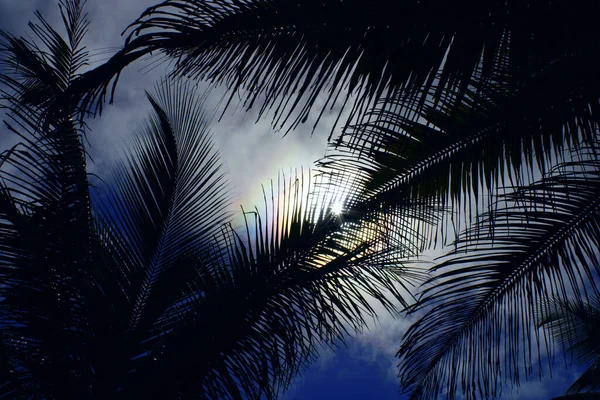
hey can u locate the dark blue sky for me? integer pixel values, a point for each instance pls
(353, 373)
(346, 376)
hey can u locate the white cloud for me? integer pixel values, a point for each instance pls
(252, 152)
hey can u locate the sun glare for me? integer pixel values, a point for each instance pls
(337, 207)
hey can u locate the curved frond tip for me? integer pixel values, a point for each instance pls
(478, 330)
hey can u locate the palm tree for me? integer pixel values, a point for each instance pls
(485, 107)
(138, 288)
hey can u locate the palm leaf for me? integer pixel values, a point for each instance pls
(540, 241)
(46, 220)
(261, 310)
(460, 153)
(167, 200)
(36, 72)
(575, 324)
(285, 53)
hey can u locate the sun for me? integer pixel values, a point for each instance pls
(337, 207)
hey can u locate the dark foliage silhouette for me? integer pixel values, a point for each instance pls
(481, 116)
(574, 323)
(142, 289)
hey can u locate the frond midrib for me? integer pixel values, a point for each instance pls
(513, 279)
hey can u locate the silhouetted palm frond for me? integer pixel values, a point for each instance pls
(36, 72)
(285, 53)
(575, 324)
(45, 213)
(165, 202)
(449, 152)
(541, 240)
(256, 307)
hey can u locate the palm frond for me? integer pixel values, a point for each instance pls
(454, 152)
(286, 53)
(295, 281)
(575, 325)
(36, 72)
(46, 220)
(169, 198)
(478, 332)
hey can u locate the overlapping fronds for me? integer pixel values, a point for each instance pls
(150, 297)
(285, 53)
(575, 324)
(149, 291)
(459, 152)
(223, 314)
(36, 72)
(294, 281)
(479, 332)
(45, 215)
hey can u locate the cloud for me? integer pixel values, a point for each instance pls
(549, 386)
(253, 153)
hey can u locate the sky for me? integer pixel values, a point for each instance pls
(253, 154)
